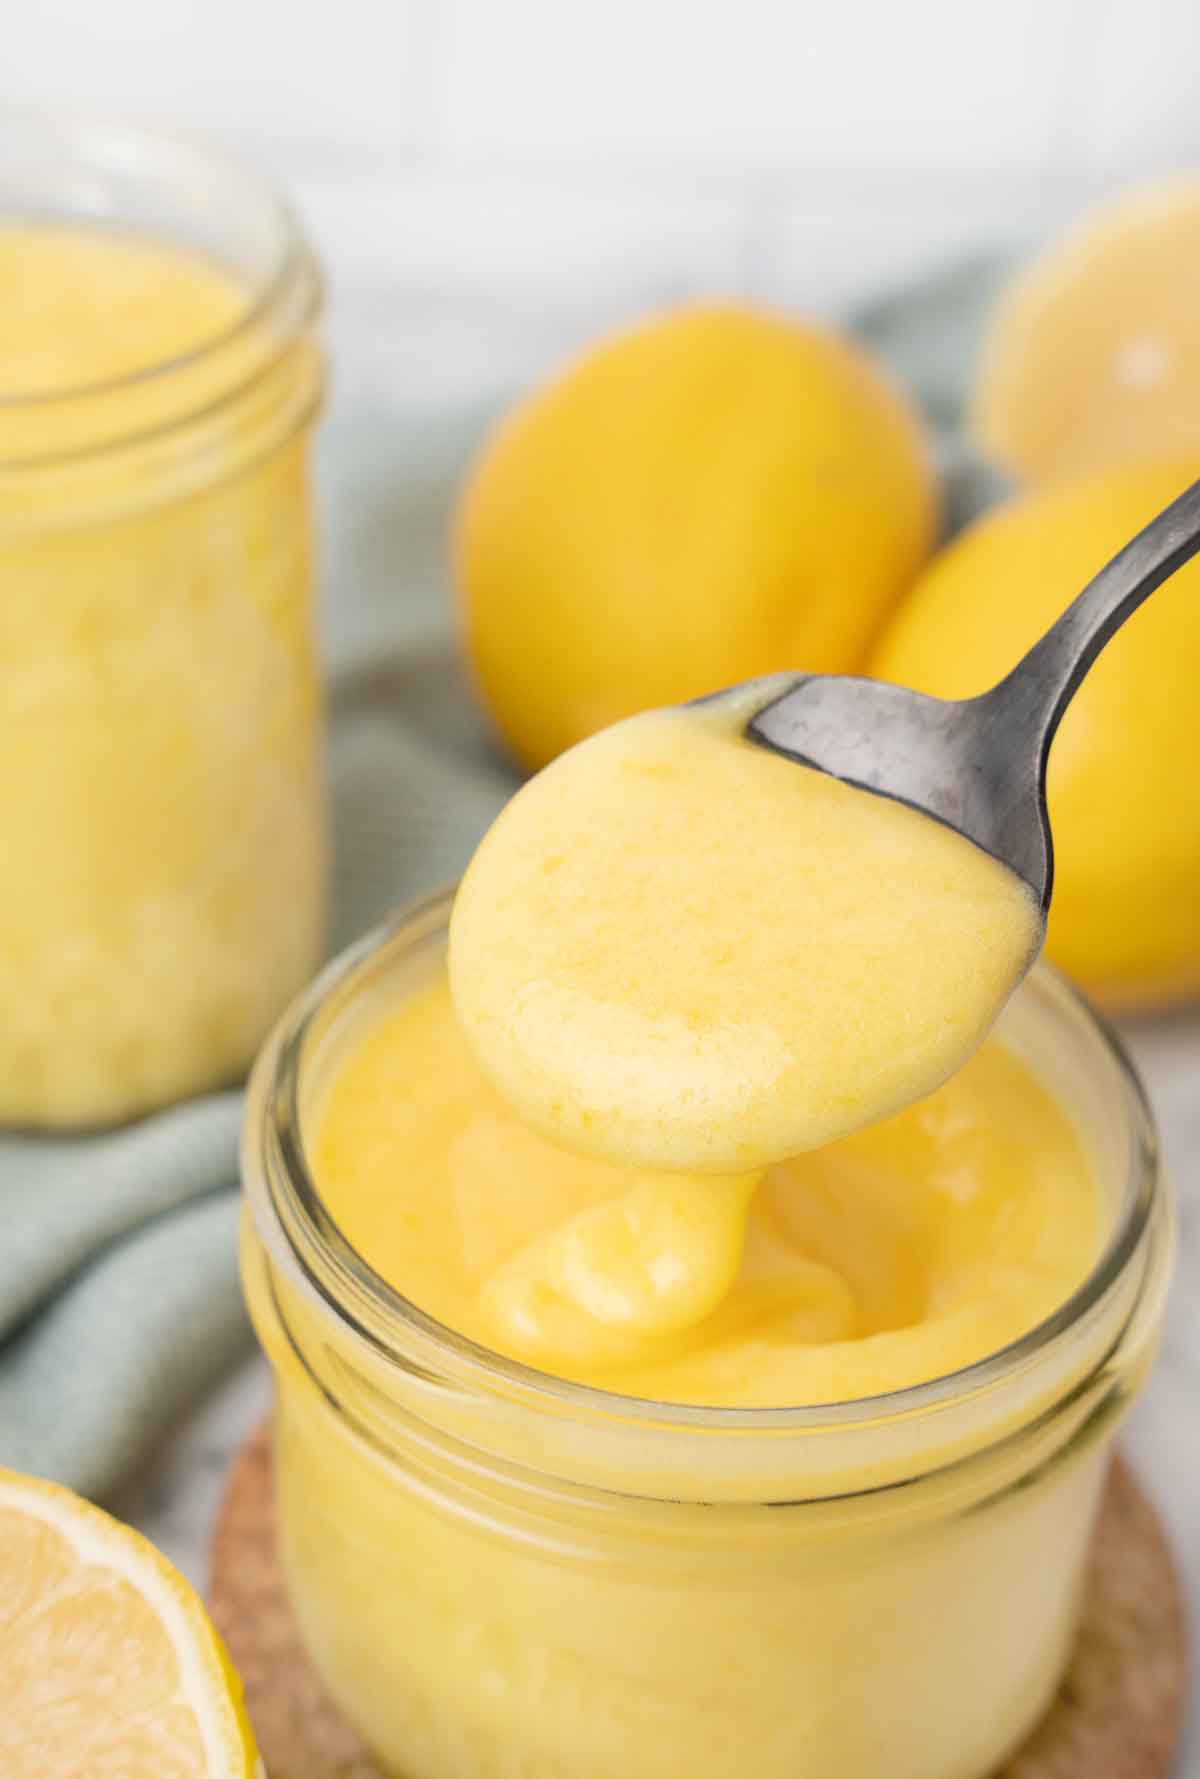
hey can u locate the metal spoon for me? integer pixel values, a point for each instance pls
(979, 764)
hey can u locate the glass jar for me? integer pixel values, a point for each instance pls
(498, 1572)
(164, 884)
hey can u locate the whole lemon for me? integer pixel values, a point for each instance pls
(1124, 773)
(715, 494)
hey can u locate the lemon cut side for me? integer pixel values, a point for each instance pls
(109, 1665)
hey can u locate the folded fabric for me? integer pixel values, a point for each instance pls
(119, 1300)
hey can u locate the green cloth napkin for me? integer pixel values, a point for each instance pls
(119, 1299)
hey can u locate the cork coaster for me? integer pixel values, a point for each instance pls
(1117, 1716)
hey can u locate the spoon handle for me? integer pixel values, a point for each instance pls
(1042, 684)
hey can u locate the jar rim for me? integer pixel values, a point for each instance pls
(297, 1227)
(287, 294)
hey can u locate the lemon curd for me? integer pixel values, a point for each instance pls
(82, 307)
(678, 949)
(900, 1253)
(545, 1503)
(160, 713)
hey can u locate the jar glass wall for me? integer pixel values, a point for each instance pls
(501, 1572)
(160, 708)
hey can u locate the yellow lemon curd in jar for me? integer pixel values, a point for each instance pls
(476, 1608)
(163, 884)
(899, 1253)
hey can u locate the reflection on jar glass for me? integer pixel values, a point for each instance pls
(163, 892)
(500, 1572)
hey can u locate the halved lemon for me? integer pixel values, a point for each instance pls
(1093, 354)
(109, 1666)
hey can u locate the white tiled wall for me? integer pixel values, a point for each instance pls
(762, 87)
(489, 179)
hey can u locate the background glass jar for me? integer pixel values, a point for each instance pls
(498, 1572)
(163, 890)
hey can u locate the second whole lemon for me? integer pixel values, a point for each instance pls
(714, 494)
(1123, 785)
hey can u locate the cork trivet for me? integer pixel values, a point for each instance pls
(1117, 1716)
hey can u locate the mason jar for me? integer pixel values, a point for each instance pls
(498, 1572)
(164, 880)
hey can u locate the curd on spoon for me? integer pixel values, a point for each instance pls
(675, 949)
(161, 715)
